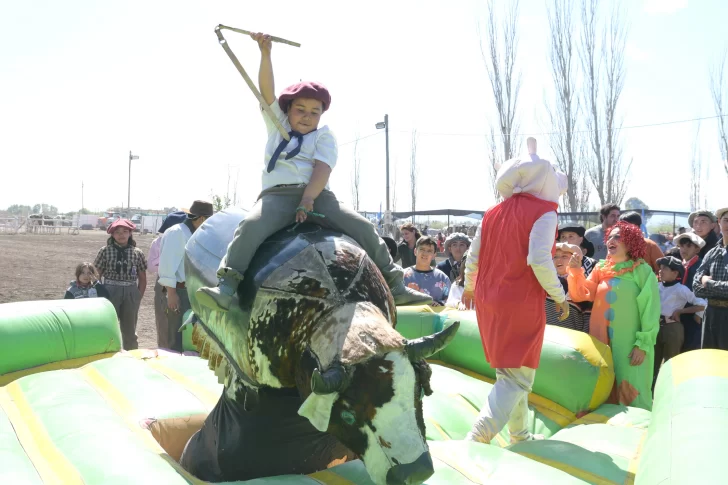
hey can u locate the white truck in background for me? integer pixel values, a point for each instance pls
(150, 224)
(85, 221)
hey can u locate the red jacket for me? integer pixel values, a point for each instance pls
(509, 299)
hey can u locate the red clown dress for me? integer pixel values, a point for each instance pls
(510, 309)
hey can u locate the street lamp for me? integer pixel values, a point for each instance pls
(385, 124)
(128, 194)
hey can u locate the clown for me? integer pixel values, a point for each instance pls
(626, 312)
(514, 249)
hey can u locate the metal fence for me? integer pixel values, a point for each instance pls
(656, 221)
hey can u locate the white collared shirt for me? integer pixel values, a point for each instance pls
(172, 255)
(675, 297)
(318, 145)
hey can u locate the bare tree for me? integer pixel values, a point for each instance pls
(499, 56)
(564, 113)
(413, 172)
(495, 161)
(602, 61)
(696, 173)
(356, 175)
(718, 82)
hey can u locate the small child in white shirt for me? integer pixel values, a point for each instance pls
(295, 183)
(674, 298)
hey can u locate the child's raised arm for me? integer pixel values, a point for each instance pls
(266, 83)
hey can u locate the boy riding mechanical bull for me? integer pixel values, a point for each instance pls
(295, 183)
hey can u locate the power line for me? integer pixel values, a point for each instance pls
(675, 122)
(576, 131)
(361, 138)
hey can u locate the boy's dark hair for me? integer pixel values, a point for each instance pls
(632, 218)
(606, 209)
(426, 241)
(91, 267)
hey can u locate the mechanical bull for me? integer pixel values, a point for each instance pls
(314, 372)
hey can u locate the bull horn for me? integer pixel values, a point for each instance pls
(334, 379)
(424, 347)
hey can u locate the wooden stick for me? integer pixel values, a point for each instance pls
(247, 32)
(251, 85)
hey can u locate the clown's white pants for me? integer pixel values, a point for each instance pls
(507, 404)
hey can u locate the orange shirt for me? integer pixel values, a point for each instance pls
(653, 254)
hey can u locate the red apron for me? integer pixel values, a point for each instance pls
(509, 298)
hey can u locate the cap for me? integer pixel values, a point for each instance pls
(703, 213)
(689, 236)
(201, 208)
(306, 89)
(672, 263)
(572, 227)
(121, 223)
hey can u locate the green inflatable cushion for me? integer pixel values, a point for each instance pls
(34, 333)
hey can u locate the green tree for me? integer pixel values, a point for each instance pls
(18, 210)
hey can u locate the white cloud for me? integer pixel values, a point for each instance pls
(656, 7)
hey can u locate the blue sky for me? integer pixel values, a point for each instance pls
(84, 82)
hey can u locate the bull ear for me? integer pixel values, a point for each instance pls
(424, 347)
(317, 409)
(334, 380)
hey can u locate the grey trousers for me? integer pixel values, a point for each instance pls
(126, 300)
(160, 315)
(174, 320)
(276, 209)
(507, 404)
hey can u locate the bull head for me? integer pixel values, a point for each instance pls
(337, 378)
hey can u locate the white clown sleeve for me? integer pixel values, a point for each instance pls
(540, 243)
(471, 265)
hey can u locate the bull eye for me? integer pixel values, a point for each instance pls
(348, 417)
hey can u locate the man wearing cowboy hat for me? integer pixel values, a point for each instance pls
(711, 283)
(172, 269)
(574, 234)
(703, 223)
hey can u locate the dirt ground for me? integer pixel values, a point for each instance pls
(40, 267)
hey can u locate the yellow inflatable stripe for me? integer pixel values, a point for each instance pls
(591, 418)
(327, 477)
(709, 363)
(556, 413)
(6, 379)
(122, 406)
(203, 394)
(635, 461)
(456, 463)
(571, 470)
(439, 428)
(51, 465)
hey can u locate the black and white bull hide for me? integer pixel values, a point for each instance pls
(314, 371)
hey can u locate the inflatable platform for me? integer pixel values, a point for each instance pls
(74, 409)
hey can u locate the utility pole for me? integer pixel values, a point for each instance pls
(81, 195)
(385, 124)
(128, 194)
